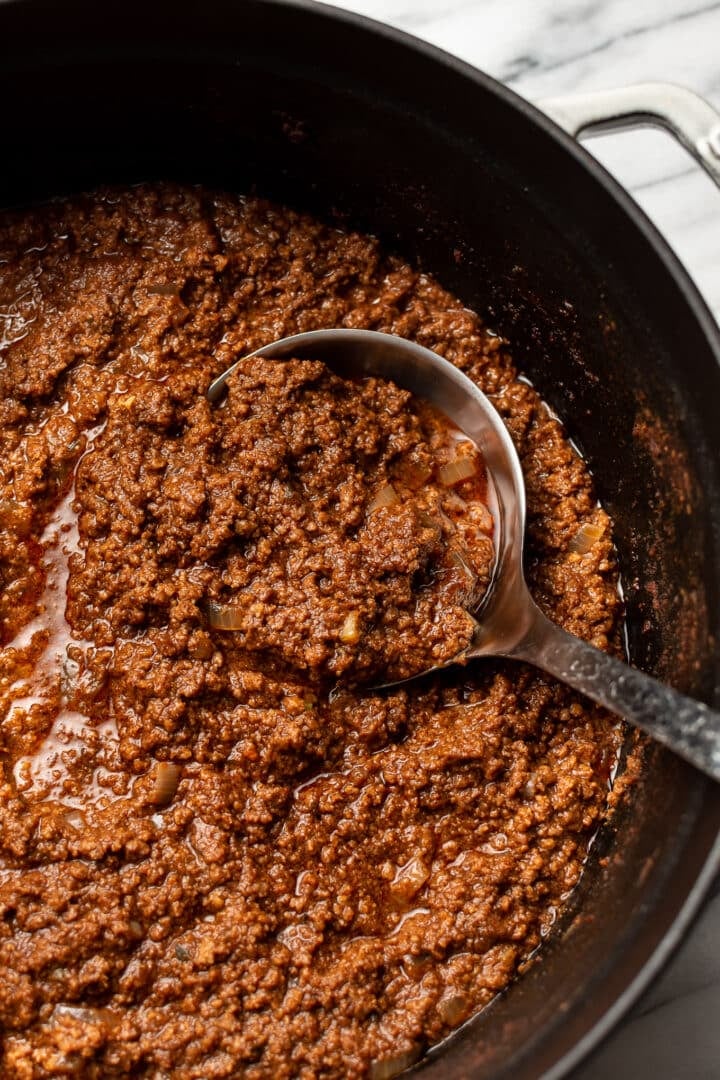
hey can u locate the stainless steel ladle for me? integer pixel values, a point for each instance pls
(509, 622)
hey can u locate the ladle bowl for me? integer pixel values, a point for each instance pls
(509, 623)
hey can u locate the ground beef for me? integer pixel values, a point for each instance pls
(218, 856)
(354, 552)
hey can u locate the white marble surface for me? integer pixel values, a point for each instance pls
(542, 48)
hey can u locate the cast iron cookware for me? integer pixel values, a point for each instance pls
(352, 120)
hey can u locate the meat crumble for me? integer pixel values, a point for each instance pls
(221, 853)
(360, 527)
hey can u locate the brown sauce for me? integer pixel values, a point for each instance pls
(220, 855)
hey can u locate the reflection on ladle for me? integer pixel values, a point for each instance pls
(509, 622)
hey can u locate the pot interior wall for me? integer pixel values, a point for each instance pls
(304, 107)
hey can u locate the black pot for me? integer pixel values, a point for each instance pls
(346, 118)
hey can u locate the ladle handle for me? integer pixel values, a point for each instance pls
(686, 726)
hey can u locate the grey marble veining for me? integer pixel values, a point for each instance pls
(548, 47)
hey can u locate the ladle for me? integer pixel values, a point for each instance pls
(509, 622)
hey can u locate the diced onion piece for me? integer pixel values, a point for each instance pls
(453, 1009)
(386, 496)
(88, 1014)
(75, 818)
(163, 290)
(409, 880)
(224, 616)
(584, 538)
(350, 629)
(386, 1068)
(167, 777)
(454, 471)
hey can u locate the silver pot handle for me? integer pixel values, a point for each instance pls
(692, 120)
